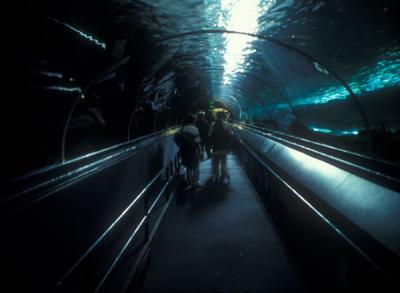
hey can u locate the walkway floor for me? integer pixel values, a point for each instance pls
(220, 239)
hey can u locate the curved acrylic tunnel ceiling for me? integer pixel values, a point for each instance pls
(140, 61)
(273, 79)
(263, 77)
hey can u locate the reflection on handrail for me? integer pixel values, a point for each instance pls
(320, 154)
(151, 235)
(262, 129)
(121, 145)
(146, 217)
(44, 188)
(158, 197)
(314, 209)
(107, 231)
(120, 254)
(52, 167)
(68, 174)
(162, 133)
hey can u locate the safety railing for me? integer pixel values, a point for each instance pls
(383, 172)
(35, 186)
(167, 174)
(79, 226)
(313, 224)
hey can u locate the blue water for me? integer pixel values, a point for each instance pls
(358, 40)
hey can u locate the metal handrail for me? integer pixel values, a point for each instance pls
(364, 170)
(116, 260)
(260, 128)
(135, 140)
(148, 236)
(92, 154)
(314, 209)
(86, 170)
(142, 193)
(149, 240)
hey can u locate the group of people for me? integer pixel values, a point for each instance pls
(200, 137)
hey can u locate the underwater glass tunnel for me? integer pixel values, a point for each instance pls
(87, 85)
(84, 76)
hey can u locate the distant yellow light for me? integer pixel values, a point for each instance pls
(217, 110)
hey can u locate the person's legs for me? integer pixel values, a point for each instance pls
(201, 155)
(189, 176)
(215, 165)
(224, 170)
(208, 149)
(196, 177)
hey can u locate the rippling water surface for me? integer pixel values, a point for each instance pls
(358, 39)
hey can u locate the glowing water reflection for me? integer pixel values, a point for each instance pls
(62, 89)
(239, 15)
(49, 74)
(384, 73)
(322, 130)
(86, 36)
(335, 132)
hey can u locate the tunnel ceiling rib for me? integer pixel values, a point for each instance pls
(273, 58)
(206, 33)
(318, 64)
(359, 41)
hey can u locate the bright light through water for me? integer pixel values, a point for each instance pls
(241, 16)
(237, 15)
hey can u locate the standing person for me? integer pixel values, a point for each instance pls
(220, 139)
(188, 141)
(203, 126)
(210, 117)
